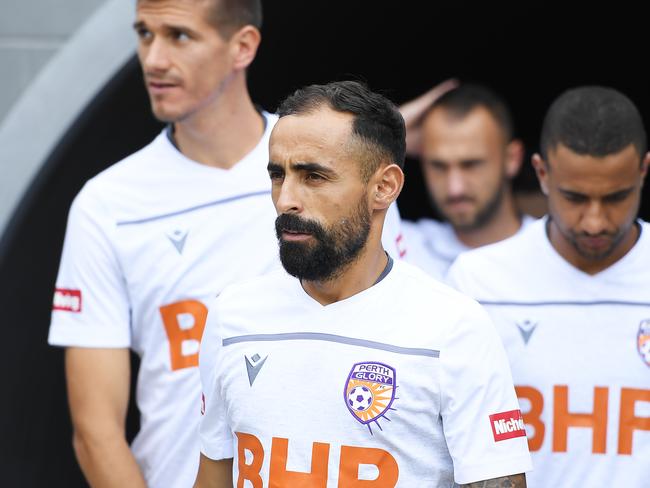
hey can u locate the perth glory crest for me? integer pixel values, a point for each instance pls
(370, 392)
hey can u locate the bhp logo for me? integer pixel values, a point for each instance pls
(507, 425)
(348, 474)
(67, 300)
(560, 419)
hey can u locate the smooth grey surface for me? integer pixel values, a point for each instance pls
(59, 92)
(21, 66)
(31, 32)
(43, 18)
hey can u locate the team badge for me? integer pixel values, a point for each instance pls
(643, 341)
(370, 392)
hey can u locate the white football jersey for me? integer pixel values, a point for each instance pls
(433, 245)
(405, 383)
(149, 243)
(579, 349)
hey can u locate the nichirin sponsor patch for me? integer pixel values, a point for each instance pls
(67, 300)
(370, 391)
(507, 425)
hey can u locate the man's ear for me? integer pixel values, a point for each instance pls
(386, 185)
(644, 166)
(541, 170)
(514, 157)
(243, 45)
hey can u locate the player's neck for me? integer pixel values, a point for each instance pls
(505, 222)
(590, 266)
(221, 134)
(360, 275)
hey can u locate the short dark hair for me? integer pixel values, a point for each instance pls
(377, 122)
(468, 96)
(229, 16)
(593, 120)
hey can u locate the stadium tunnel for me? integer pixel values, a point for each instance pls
(88, 109)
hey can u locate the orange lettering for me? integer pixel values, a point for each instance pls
(562, 419)
(279, 477)
(250, 472)
(532, 417)
(179, 332)
(628, 422)
(352, 457)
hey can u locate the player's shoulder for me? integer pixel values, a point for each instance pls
(423, 300)
(131, 171)
(425, 291)
(509, 252)
(423, 227)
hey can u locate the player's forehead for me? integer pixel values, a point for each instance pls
(323, 134)
(594, 176)
(447, 135)
(174, 13)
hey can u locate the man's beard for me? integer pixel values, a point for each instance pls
(615, 238)
(483, 215)
(329, 251)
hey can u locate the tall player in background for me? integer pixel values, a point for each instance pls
(570, 297)
(350, 369)
(153, 238)
(463, 135)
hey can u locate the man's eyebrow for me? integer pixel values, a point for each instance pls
(274, 167)
(315, 167)
(617, 193)
(571, 192)
(139, 24)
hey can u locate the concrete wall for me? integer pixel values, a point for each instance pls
(31, 32)
(46, 107)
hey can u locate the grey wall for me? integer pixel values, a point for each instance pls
(31, 31)
(58, 92)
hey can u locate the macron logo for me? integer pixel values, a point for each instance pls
(67, 300)
(507, 425)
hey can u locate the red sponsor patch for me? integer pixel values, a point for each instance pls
(507, 425)
(400, 245)
(67, 300)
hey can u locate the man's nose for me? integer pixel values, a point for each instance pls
(594, 219)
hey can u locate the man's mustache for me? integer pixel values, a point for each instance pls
(293, 223)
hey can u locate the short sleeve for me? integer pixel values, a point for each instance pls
(215, 435)
(482, 423)
(91, 305)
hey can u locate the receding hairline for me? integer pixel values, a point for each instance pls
(454, 116)
(365, 153)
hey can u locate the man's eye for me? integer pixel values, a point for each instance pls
(437, 166)
(314, 176)
(616, 197)
(574, 198)
(180, 36)
(143, 33)
(275, 175)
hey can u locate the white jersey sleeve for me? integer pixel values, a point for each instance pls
(481, 420)
(91, 305)
(215, 435)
